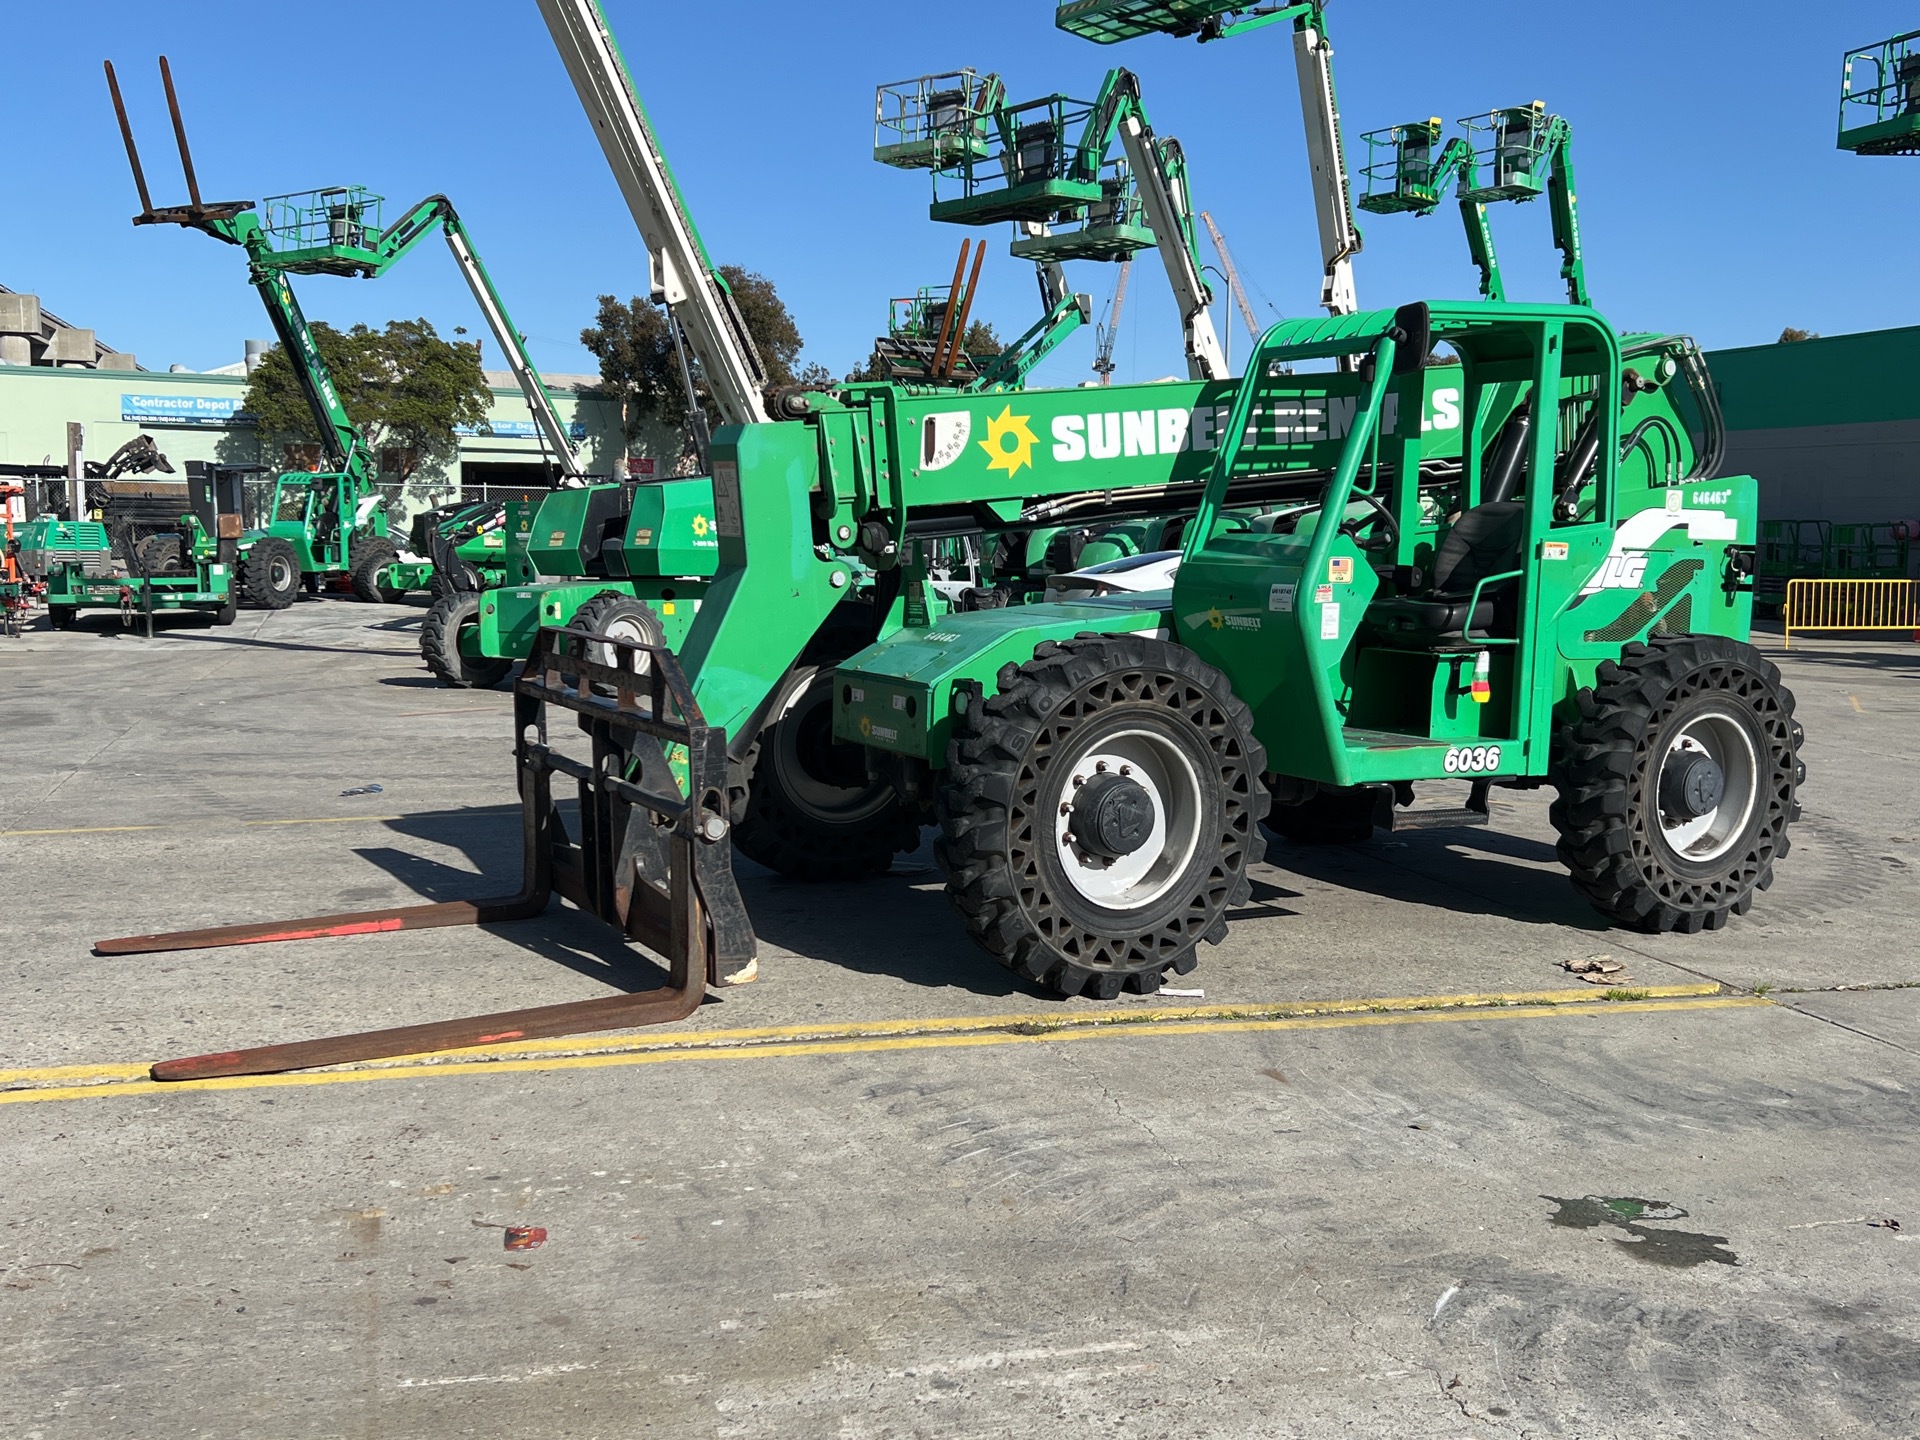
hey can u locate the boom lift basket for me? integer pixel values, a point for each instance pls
(936, 121)
(326, 232)
(1107, 22)
(1880, 98)
(1112, 228)
(653, 858)
(1511, 149)
(1401, 174)
(1033, 168)
(921, 316)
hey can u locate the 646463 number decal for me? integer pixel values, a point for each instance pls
(1473, 760)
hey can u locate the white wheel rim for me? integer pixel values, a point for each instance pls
(1172, 786)
(630, 629)
(1705, 838)
(280, 572)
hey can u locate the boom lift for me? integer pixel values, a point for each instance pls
(335, 523)
(937, 123)
(1411, 179)
(1520, 151)
(1045, 165)
(1110, 21)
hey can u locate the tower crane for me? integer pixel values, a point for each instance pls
(1109, 330)
(1234, 287)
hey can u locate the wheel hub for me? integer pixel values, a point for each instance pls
(1692, 785)
(1112, 815)
(1707, 788)
(1127, 819)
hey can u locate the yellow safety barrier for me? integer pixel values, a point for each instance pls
(1852, 605)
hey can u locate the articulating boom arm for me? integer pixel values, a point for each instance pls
(345, 446)
(1522, 152)
(1412, 180)
(1473, 217)
(437, 212)
(1525, 151)
(1160, 170)
(1562, 196)
(1066, 313)
(697, 295)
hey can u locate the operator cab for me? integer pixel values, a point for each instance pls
(1469, 458)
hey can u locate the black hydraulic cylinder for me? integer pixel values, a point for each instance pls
(1509, 457)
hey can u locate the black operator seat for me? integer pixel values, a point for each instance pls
(1485, 541)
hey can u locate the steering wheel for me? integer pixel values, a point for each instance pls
(1384, 516)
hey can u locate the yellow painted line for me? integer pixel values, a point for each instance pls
(880, 1045)
(1058, 1020)
(959, 1024)
(85, 830)
(1858, 708)
(950, 1025)
(331, 820)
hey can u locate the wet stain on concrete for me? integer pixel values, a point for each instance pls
(1677, 1249)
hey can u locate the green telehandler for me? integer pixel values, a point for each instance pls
(1558, 602)
(1490, 551)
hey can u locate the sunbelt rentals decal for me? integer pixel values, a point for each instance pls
(1011, 440)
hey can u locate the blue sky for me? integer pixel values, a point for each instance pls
(1712, 195)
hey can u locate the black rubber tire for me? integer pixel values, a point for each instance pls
(623, 616)
(63, 617)
(1332, 817)
(440, 646)
(440, 586)
(809, 809)
(373, 558)
(158, 555)
(1608, 813)
(1008, 766)
(269, 574)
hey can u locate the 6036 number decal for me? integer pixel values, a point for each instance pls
(1474, 760)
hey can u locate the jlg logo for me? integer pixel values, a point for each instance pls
(1620, 572)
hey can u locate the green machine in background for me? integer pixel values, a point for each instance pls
(1517, 154)
(193, 568)
(630, 561)
(333, 524)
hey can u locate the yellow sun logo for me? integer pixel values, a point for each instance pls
(866, 725)
(701, 526)
(1009, 443)
(1216, 619)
